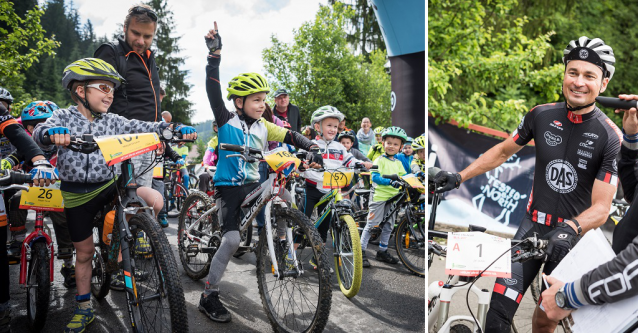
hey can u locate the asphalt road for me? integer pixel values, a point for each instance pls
(390, 300)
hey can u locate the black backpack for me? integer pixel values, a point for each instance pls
(120, 64)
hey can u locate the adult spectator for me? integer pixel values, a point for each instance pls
(365, 135)
(286, 111)
(133, 59)
(167, 116)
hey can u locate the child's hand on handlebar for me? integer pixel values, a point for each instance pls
(59, 136)
(368, 165)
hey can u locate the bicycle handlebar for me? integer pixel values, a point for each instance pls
(12, 177)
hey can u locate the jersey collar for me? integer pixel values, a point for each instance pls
(579, 118)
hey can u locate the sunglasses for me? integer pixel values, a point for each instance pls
(103, 87)
(144, 10)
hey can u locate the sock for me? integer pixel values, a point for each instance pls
(84, 301)
(383, 247)
(209, 290)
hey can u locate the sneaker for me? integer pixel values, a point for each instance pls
(14, 250)
(213, 308)
(142, 247)
(163, 221)
(69, 275)
(385, 256)
(117, 281)
(364, 257)
(81, 319)
(5, 320)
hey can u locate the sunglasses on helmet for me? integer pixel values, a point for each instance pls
(144, 10)
(103, 87)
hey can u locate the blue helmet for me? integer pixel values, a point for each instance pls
(37, 112)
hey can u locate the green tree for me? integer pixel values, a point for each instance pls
(482, 68)
(319, 68)
(362, 29)
(172, 78)
(23, 42)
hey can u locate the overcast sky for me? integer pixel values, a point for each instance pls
(245, 27)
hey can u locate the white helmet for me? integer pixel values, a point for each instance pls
(591, 50)
(324, 112)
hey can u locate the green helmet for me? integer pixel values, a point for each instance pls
(324, 112)
(396, 132)
(88, 69)
(418, 143)
(379, 130)
(246, 84)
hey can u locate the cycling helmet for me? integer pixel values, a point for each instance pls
(409, 140)
(37, 112)
(591, 50)
(5, 95)
(396, 132)
(246, 84)
(418, 143)
(324, 112)
(88, 69)
(379, 130)
(346, 134)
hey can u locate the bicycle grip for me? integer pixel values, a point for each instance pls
(237, 148)
(617, 103)
(432, 171)
(20, 178)
(46, 139)
(391, 177)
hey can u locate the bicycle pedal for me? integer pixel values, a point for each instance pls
(209, 249)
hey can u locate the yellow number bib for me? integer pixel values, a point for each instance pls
(337, 179)
(118, 148)
(280, 160)
(42, 198)
(158, 171)
(414, 182)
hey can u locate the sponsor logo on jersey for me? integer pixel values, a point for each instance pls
(520, 126)
(553, 139)
(556, 124)
(583, 153)
(591, 135)
(615, 165)
(587, 144)
(510, 282)
(561, 176)
(582, 163)
(616, 284)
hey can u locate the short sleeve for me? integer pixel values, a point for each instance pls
(524, 133)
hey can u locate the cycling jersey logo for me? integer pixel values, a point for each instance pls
(561, 176)
(583, 54)
(615, 284)
(591, 135)
(556, 124)
(510, 282)
(553, 139)
(615, 165)
(587, 144)
(520, 126)
(582, 163)
(583, 153)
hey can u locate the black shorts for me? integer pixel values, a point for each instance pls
(229, 199)
(80, 219)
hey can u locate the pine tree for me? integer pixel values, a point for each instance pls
(363, 30)
(172, 78)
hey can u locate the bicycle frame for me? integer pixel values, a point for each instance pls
(35, 236)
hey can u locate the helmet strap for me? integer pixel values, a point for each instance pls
(85, 102)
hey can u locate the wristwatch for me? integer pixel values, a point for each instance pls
(561, 299)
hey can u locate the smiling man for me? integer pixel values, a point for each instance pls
(575, 177)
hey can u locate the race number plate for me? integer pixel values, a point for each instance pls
(118, 148)
(280, 160)
(414, 182)
(158, 171)
(42, 198)
(337, 179)
(469, 253)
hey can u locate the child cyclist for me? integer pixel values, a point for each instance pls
(377, 149)
(33, 114)
(234, 178)
(393, 139)
(326, 121)
(417, 166)
(88, 184)
(43, 173)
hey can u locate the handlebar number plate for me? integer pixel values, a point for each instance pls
(42, 198)
(469, 253)
(337, 179)
(158, 171)
(118, 148)
(281, 160)
(414, 182)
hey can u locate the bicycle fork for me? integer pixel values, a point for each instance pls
(34, 236)
(439, 315)
(271, 246)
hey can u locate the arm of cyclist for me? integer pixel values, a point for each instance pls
(209, 156)
(171, 154)
(359, 155)
(213, 87)
(628, 166)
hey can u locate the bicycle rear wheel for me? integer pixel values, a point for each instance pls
(409, 242)
(39, 286)
(294, 303)
(100, 279)
(207, 234)
(161, 297)
(348, 260)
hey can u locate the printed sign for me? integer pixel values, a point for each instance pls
(118, 148)
(42, 198)
(469, 253)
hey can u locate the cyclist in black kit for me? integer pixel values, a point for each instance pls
(575, 177)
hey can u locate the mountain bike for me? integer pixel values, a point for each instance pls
(155, 298)
(345, 235)
(174, 190)
(294, 298)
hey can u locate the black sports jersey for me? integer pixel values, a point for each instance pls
(571, 152)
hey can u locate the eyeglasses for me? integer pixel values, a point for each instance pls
(103, 87)
(144, 10)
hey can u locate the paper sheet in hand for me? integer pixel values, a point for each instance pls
(592, 251)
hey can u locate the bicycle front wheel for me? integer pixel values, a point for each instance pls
(410, 244)
(179, 194)
(160, 295)
(348, 261)
(299, 298)
(38, 286)
(191, 242)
